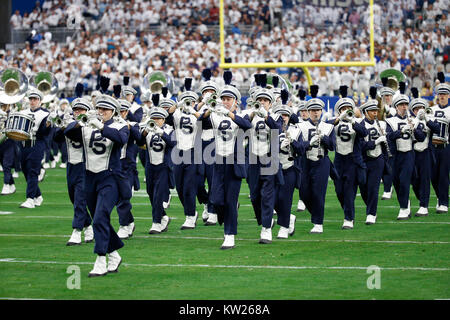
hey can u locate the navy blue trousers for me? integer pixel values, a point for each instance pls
(63, 148)
(422, 177)
(207, 174)
(76, 176)
(347, 184)
(440, 172)
(224, 193)
(157, 182)
(285, 193)
(30, 162)
(369, 191)
(263, 194)
(186, 183)
(125, 183)
(388, 178)
(7, 153)
(102, 195)
(315, 181)
(402, 171)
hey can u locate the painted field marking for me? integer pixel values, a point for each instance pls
(18, 260)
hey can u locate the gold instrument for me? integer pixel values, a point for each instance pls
(394, 77)
(13, 86)
(45, 82)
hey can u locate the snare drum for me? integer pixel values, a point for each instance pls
(18, 126)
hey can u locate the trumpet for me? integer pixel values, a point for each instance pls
(151, 125)
(85, 117)
(429, 111)
(256, 105)
(288, 137)
(350, 113)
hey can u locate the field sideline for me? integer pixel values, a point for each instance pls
(413, 255)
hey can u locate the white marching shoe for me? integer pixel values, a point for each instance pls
(41, 175)
(422, 212)
(190, 222)
(53, 164)
(114, 261)
(212, 220)
(100, 268)
(404, 213)
(371, 219)
(441, 209)
(386, 195)
(15, 175)
(347, 224)
(63, 165)
(205, 213)
(283, 233)
(75, 238)
(318, 228)
(155, 229)
(46, 166)
(292, 220)
(38, 201)
(166, 205)
(301, 206)
(8, 189)
(165, 220)
(88, 234)
(123, 232)
(266, 235)
(130, 229)
(29, 203)
(228, 242)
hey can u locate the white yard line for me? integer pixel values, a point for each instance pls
(18, 260)
(240, 239)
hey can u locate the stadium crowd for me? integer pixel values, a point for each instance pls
(132, 38)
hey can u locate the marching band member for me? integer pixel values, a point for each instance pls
(263, 173)
(136, 111)
(32, 151)
(303, 115)
(63, 109)
(373, 146)
(387, 94)
(440, 145)
(159, 140)
(76, 174)
(402, 132)
(129, 173)
(208, 89)
(187, 167)
(7, 154)
(422, 152)
(318, 138)
(102, 142)
(348, 159)
(229, 165)
(290, 148)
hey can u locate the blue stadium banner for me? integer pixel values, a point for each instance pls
(335, 3)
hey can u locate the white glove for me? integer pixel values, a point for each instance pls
(314, 141)
(416, 122)
(158, 130)
(285, 145)
(95, 123)
(381, 139)
(262, 112)
(53, 115)
(406, 129)
(343, 116)
(421, 114)
(190, 110)
(206, 97)
(223, 111)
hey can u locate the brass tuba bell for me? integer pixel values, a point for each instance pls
(45, 82)
(156, 80)
(393, 76)
(13, 85)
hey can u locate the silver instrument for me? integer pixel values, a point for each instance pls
(13, 86)
(45, 82)
(386, 144)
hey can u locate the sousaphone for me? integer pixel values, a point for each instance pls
(45, 82)
(13, 86)
(156, 80)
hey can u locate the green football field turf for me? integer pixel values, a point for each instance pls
(412, 256)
